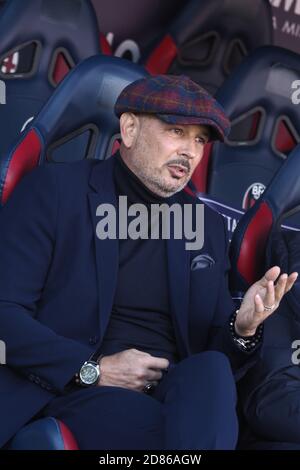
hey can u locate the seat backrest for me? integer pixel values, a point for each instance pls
(40, 41)
(44, 434)
(77, 122)
(208, 38)
(265, 126)
(249, 242)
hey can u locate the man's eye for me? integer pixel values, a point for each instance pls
(177, 131)
(201, 140)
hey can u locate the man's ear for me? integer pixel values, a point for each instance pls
(129, 126)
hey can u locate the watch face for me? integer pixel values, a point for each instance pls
(89, 374)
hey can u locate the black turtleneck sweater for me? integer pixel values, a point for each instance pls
(140, 316)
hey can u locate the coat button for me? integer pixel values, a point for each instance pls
(93, 339)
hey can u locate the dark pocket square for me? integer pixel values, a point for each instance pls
(202, 261)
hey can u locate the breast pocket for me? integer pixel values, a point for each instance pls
(202, 261)
(205, 276)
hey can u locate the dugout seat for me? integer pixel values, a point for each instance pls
(77, 122)
(265, 126)
(40, 41)
(250, 254)
(208, 38)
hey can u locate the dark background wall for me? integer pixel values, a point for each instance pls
(140, 22)
(286, 23)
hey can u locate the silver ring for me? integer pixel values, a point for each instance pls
(148, 388)
(267, 308)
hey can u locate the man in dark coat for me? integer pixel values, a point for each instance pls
(128, 337)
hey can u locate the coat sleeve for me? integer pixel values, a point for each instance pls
(220, 337)
(28, 226)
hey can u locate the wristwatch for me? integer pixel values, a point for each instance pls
(89, 374)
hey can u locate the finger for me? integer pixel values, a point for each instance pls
(153, 375)
(260, 314)
(269, 298)
(259, 305)
(157, 363)
(271, 275)
(291, 281)
(280, 287)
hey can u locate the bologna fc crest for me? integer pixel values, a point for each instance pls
(252, 194)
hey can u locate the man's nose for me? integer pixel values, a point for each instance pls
(189, 149)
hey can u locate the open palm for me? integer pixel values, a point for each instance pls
(262, 299)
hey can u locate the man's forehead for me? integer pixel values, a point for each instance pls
(152, 118)
(197, 128)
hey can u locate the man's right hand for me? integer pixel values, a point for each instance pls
(131, 369)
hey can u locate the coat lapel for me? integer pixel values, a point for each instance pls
(179, 282)
(107, 256)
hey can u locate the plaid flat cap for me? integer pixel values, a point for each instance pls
(175, 100)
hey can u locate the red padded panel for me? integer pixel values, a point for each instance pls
(61, 68)
(162, 56)
(25, 158)
(254, 244)
(115, 147)
(189, 191)
(104, 45)
(67, 436)
(284, 141)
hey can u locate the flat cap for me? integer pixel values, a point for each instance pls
(175, 99)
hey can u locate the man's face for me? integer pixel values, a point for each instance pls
(163, 156)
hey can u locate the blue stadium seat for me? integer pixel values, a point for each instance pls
(40, 41)
(208, 38)
(265, 126)
(77, 122)
(250, 252)
(44, 434)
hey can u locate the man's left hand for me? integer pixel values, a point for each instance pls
(262, 299)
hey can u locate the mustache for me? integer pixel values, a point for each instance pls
(180, 161)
